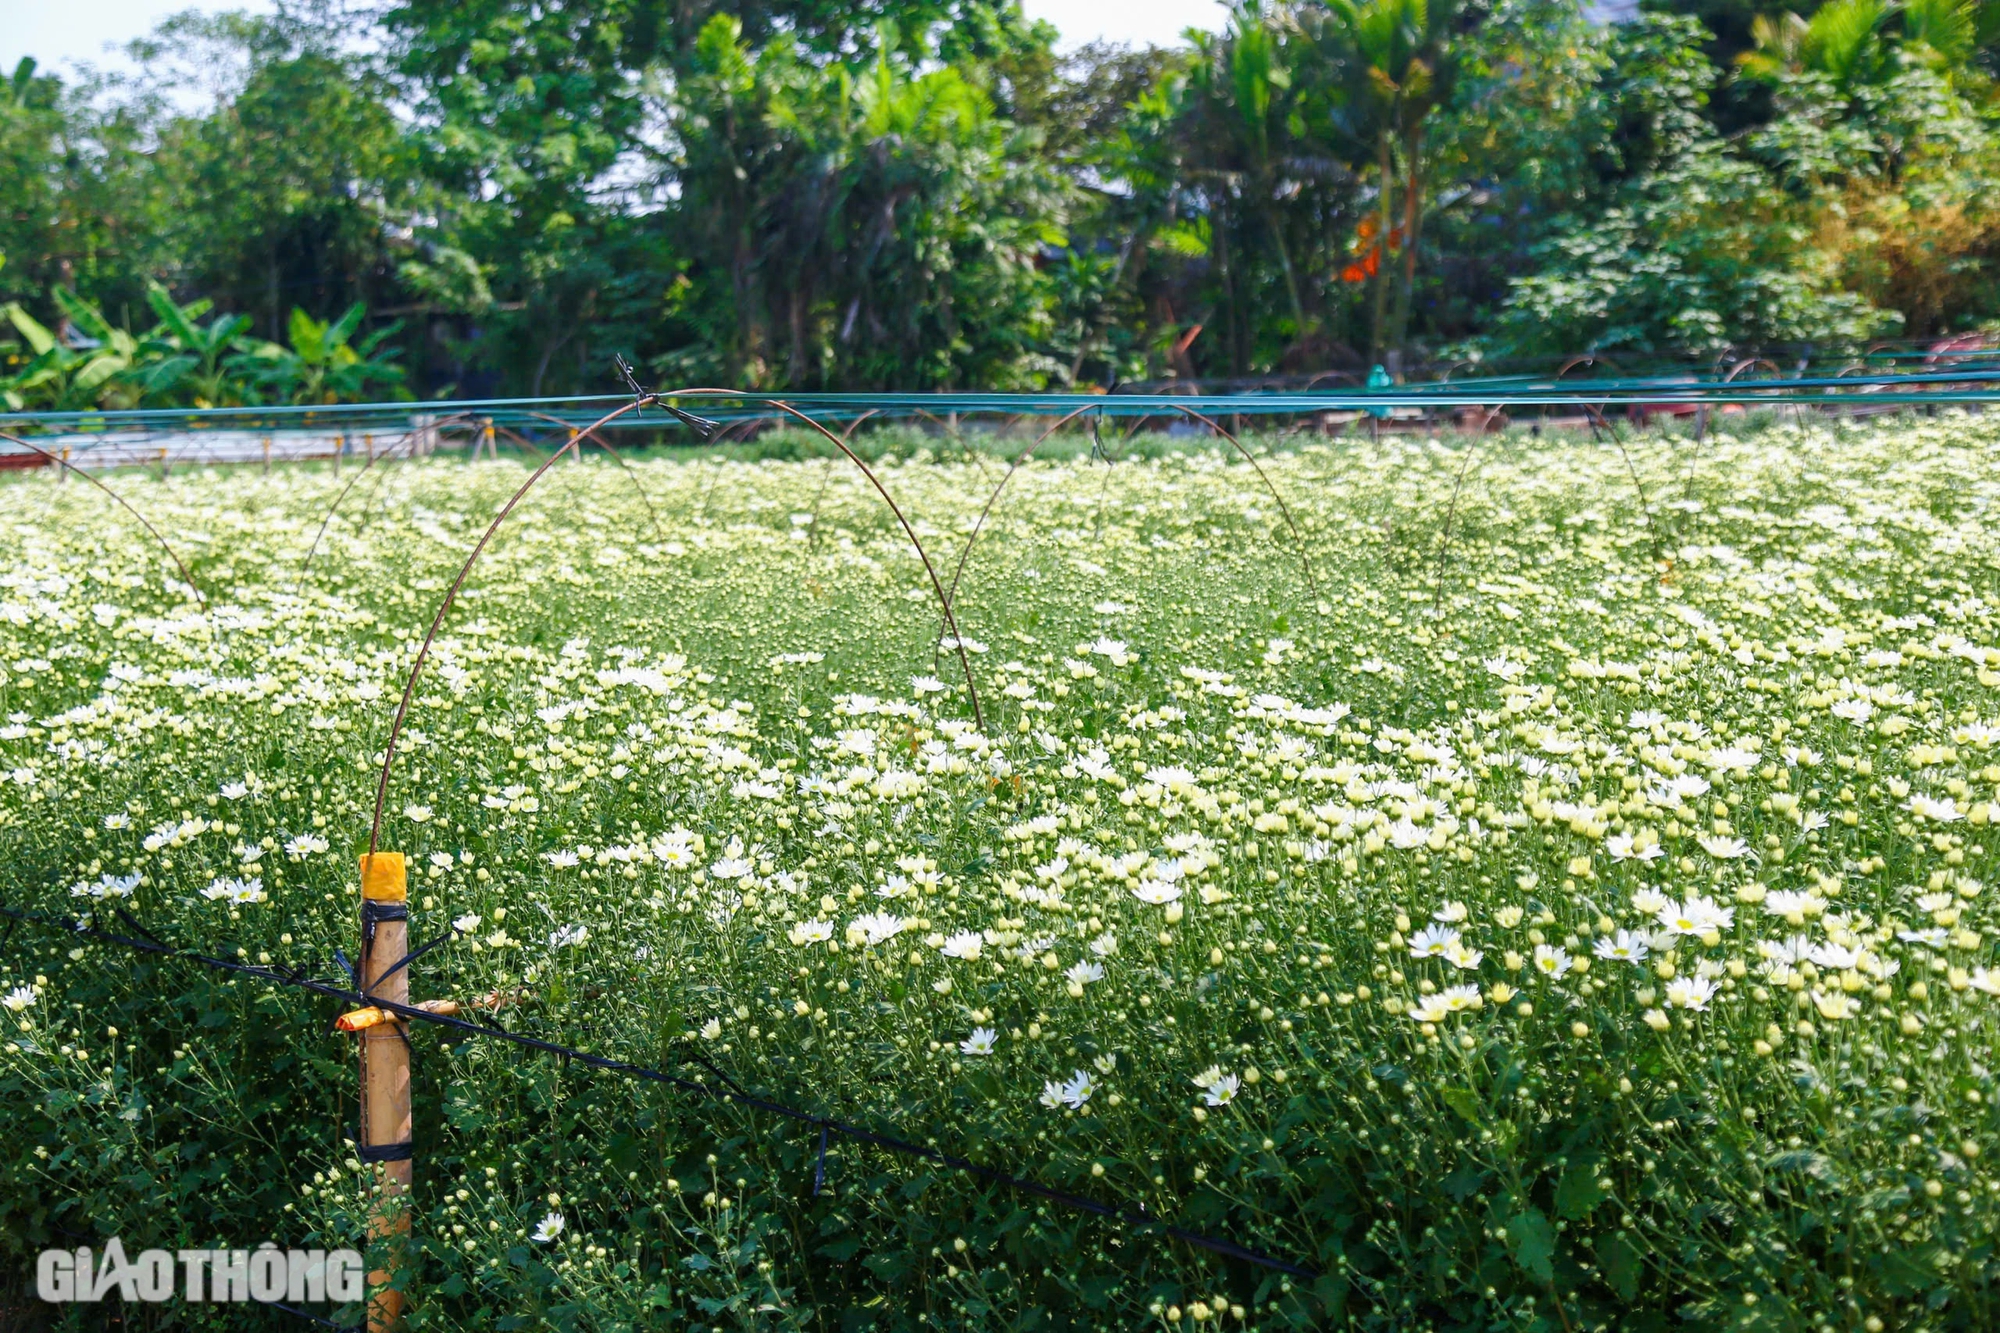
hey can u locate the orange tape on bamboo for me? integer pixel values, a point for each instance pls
(386, 1129)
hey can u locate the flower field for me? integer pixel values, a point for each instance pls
(1546, 885)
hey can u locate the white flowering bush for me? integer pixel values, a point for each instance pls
(1578, 915)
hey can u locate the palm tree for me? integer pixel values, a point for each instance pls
(1841, 42)
(1256, 72)
(1398, 63)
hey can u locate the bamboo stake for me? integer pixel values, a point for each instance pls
(386, 1128)
(267, 455)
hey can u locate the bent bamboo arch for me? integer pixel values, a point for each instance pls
(119, 500)
(640, 402)
(408, 440)
(979, 524)
(840, 443)
(590, 433)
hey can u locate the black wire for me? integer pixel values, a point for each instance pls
(1137, 1220)
(413, 956)
(645, 397)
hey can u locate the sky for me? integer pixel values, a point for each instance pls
(1135, 22)
(63, 32)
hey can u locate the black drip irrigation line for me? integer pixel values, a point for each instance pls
(1134, 1219)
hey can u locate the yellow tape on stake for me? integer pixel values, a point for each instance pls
(385, 877)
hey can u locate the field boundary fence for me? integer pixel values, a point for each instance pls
(357, 432)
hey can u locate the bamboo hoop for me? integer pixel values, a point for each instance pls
(69, 467)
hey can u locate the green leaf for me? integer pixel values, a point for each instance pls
(1805, 1162)
(98, 370)
(307, 335)
(225, 330)
(1578, 1193)
(1622, 1265)
(1465, 1182)
(1532, 1242)
(1467, 1103)
(39, 339)
(173, 317)
(83, 314)
(344, 327)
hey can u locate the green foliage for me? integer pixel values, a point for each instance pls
(1842, 43)
(1782, 233)
(196, 362)
(870, 224)
(926, 193)
(30, 170)
(1701, 255)
(320, 367)
(93, 364)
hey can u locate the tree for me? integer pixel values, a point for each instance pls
(274, 214)
(846, 213)
(1399, 62)
(30, 178)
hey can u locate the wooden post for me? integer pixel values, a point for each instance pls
(163, 462)
(386, 1147)
(369, 441)
(492, 445)
(267, 455)
(62, 473)
(576, 457)
(339, 448)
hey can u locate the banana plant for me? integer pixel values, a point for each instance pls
(193, 352)
(69, 377)
(320, 366)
